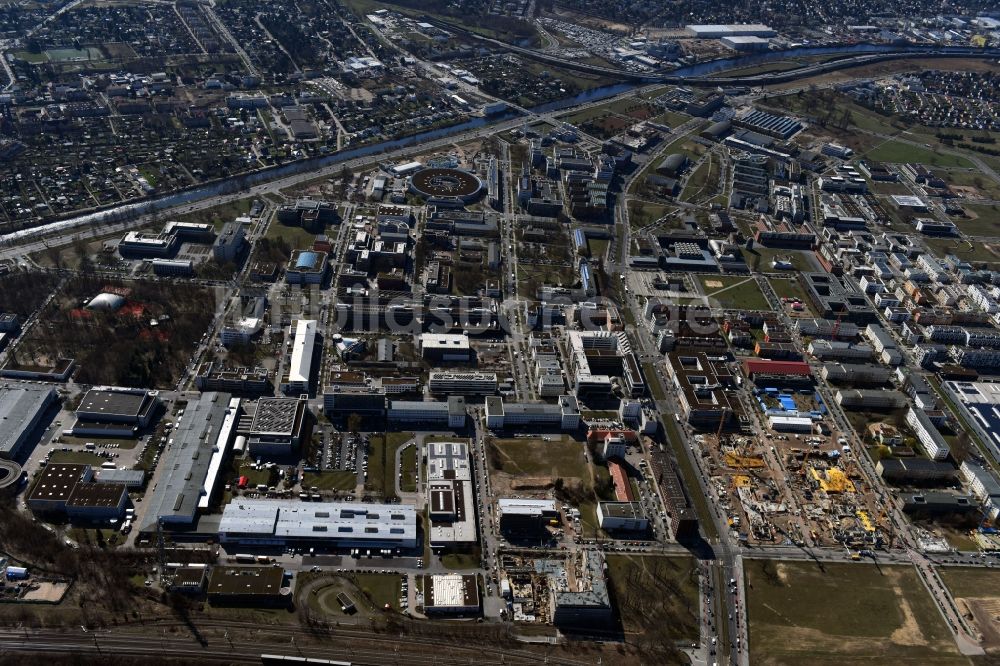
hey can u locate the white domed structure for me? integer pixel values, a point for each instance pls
(106, 302)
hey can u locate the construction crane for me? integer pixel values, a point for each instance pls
(836, 326)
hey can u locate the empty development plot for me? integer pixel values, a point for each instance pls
(843, 613)
(656, 594)
(977, 594)
(735, 292)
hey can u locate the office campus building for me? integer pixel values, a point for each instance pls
(277, 426)
(449, 495)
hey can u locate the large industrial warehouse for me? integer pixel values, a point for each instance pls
(271, 522)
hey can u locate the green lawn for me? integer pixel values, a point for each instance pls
(897, 151)
(82, 457)
(382, 589)
(790, 288)
(655, 387)
(843, 613)
(334, 480)
(529, 456)
(219, 215)
(460, 561)
(983, 183)
(408, 466)
(982, 220)
(382, 461)
(735, 292)
(656, 595)
(764, 258)
(970, 251)
(971, 581)
(296, 237)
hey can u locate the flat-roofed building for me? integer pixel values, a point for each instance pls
(130, 478)
(979, 404)
(927, 433)
(192, 461)
(298, 376)
(97, 501)
(465, 383)
(701, 389)
(455, 594)
(565, 414)
(450, 502)
(526, 518)
(277, 426)
(915, 470)
(22, 408)
(446, 347)
(306, 267)
(248, 586)
(115, 412)
(622, 517)
(584, 601)
(274, 522)
(215, 377)
(340, 400)
(55, 486)
(451, 413)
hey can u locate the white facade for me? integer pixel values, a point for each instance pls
(300, 364)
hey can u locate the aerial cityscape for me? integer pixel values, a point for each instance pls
(500, 332)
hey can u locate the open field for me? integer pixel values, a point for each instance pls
(656, 594)
(767, 255)
(897, 151)
(530, 456)
(333, 480)
(985, 187)
(843, 614)
(981, 221)
(977, 594)
(408, 469)
(964, 249)
(382, 461)
(82, 457)
(734, 292)
(789, 288)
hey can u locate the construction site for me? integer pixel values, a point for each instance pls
(797, 482)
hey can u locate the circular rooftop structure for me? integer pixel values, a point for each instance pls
(446, 183)
(10, 474)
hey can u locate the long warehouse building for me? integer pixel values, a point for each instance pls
(273, 522)
(192, 461)
(22, 407)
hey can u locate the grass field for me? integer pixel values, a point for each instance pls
(219, 215)
(655, 388)
(735, 292)
(382, 589)
(82, 457)
(897, 151)
(296, 237)
(656, 594)
(767, 256)
(975, 252)
(986, 186)
(382, 461)
(408, 467)
(335, 480)
(529, 456)
(983, 220)
(790, 288)
(843, 614)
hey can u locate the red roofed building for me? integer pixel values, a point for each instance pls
(623, 489)
(764, 367)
